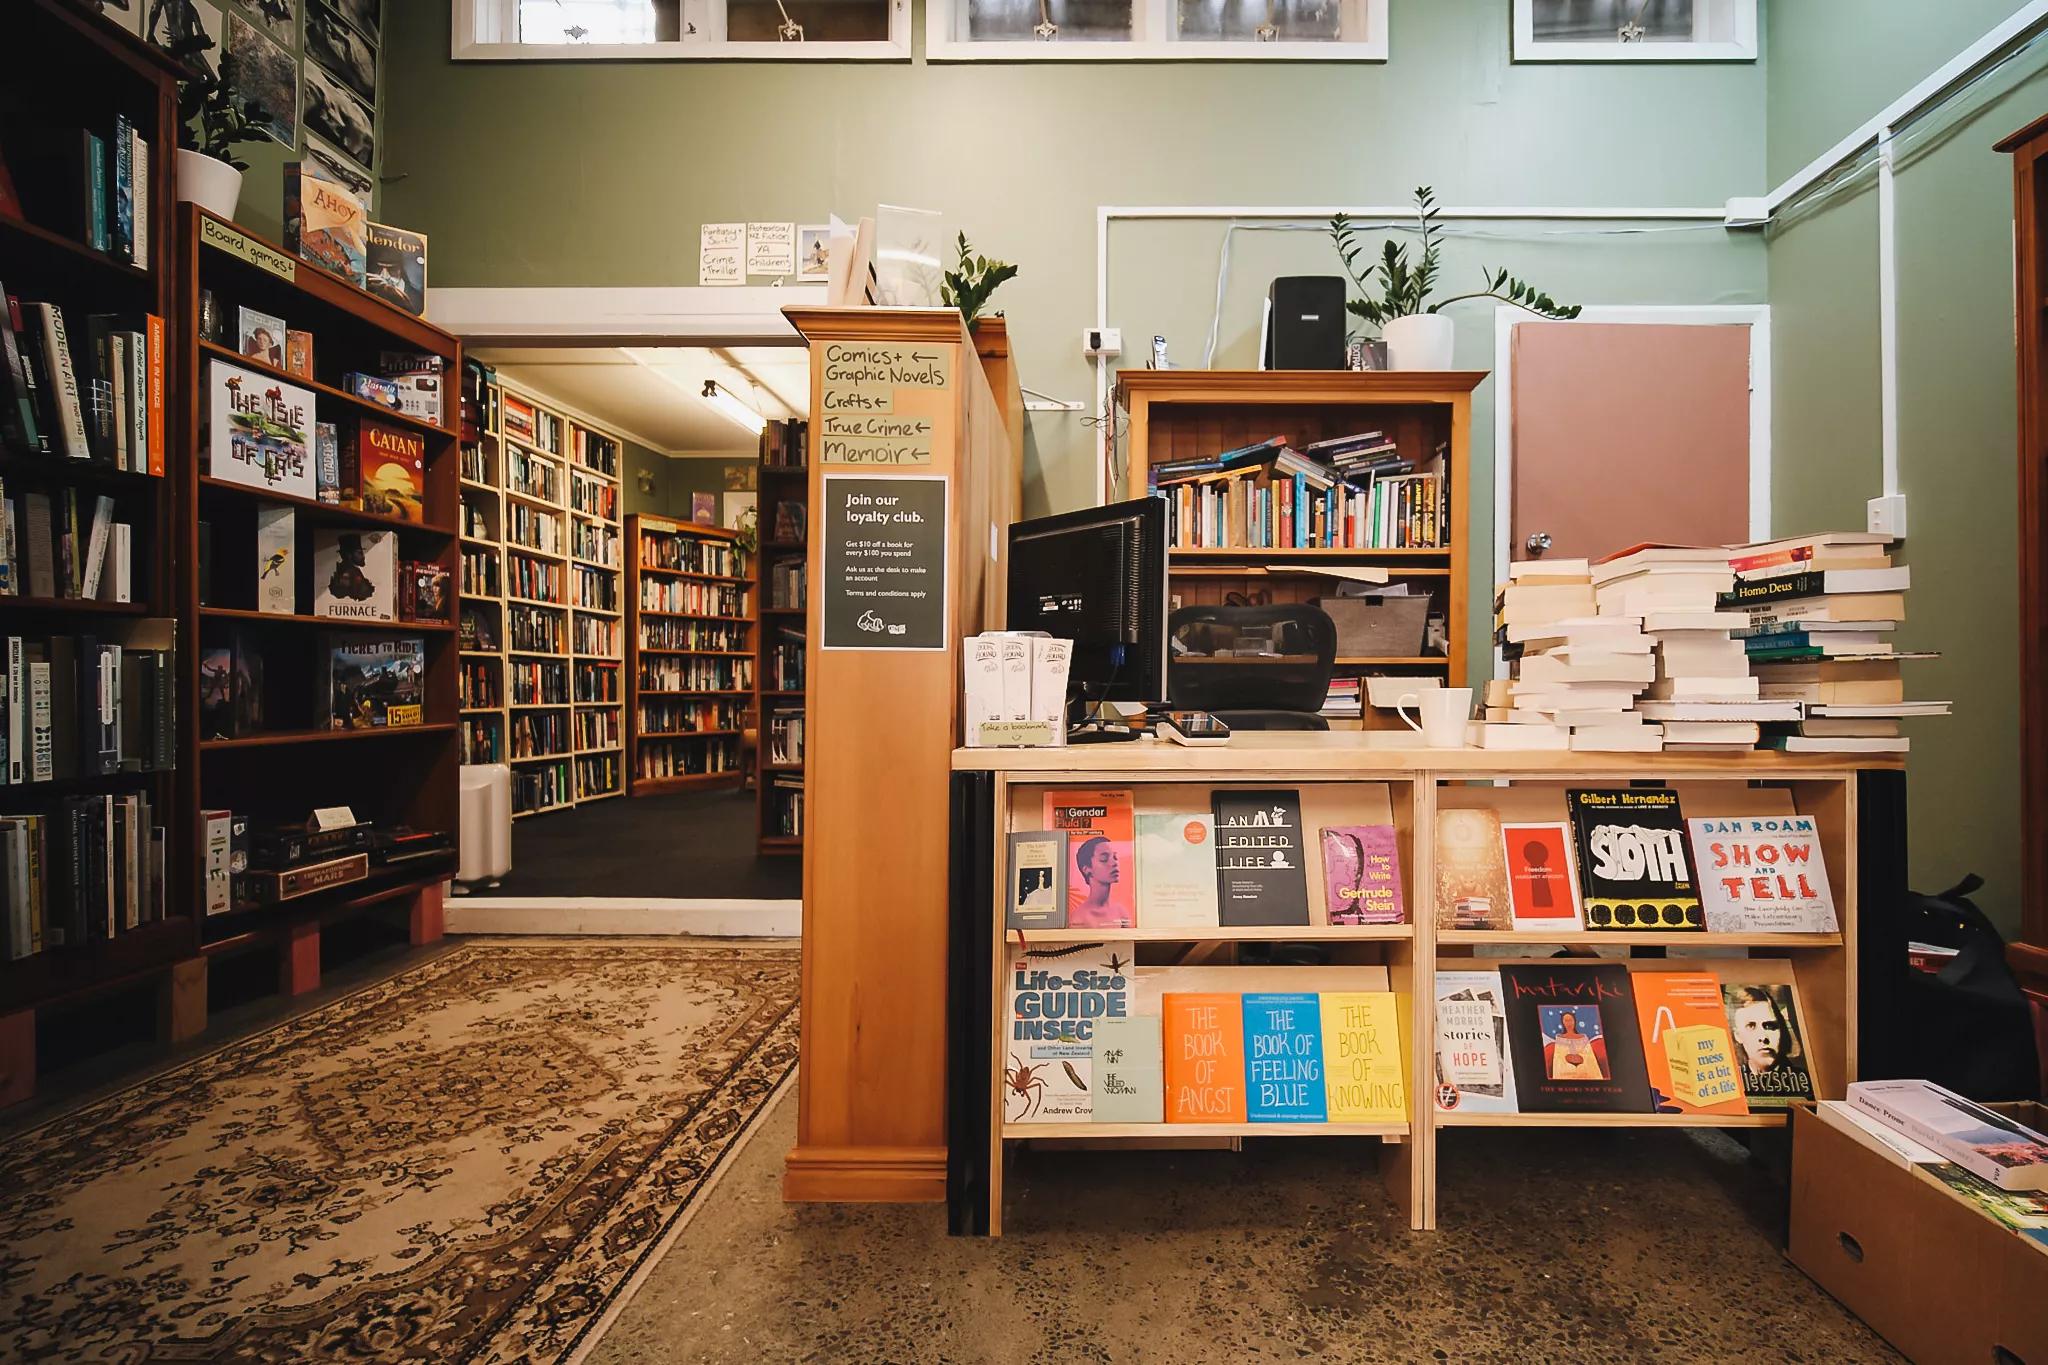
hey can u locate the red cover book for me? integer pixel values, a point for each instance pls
(391, 465)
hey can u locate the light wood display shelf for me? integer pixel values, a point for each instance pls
(1339, 776)
(674, 617)
(1181, 414)
(583, 461)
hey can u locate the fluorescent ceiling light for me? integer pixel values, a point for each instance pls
(732, 409)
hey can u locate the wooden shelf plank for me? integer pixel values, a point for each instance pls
(1662, 938)
(362, 406)
(46, 239)
(1469, 1119)
(303, 619)
(326, 511)
(278, 737)
(82, 604)
(1014, 1131)
(1251, 933)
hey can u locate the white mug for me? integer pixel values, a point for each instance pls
(1445, 712)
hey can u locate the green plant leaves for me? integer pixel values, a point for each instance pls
(1403, 290)
(968, 286)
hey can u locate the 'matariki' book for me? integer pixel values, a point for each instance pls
(1058, 995)
(1631, 845)
(1283, 1057)
(1203, 1040)
(1762, 874)
(1361, 875)
(1363, 1057)
(1260, 869)
(1101, 885)
(1572, 1036)
(1686, 1049)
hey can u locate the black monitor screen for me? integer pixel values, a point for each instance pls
(1098, 578)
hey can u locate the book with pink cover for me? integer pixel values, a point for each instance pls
(1362, 875)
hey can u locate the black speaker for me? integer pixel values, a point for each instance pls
(1305, 323)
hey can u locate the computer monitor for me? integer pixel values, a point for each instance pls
(1097, 577)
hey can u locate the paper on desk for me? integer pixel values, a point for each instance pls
(1353, 573)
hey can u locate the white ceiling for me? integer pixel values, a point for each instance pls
(654, 394)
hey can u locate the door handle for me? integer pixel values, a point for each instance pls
(1537, 543)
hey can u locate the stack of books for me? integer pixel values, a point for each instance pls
(1819, 611)
(1577, 672)
(1345, 699)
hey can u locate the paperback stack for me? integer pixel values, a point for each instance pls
(1577, 673)
(1344, 701)
(1700, 690)
(1819, 612)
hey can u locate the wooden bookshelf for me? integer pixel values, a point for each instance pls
(690, 654)
(287, 760)
(482, 685)
(1180, 414)
(597, 622)
(85, 71)
(784, 479)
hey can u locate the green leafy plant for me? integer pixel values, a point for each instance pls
(747, 529)
(1404, 290)
(213, 117)
(968, 285)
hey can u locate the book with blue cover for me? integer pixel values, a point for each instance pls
(1283, 1058)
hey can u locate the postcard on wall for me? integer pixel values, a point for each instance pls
(813, 253)
(771, 249)
(722, 254)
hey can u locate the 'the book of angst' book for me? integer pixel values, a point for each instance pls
(1260, 869)
(1632, 860)
(1572, 1035)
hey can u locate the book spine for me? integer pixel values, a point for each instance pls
(123, 189)
(138, 403)
(40, 403)
(1749, 592)
(156, 395)
(63, 380)
(20, 417)
(116, 359)
(95, 188)
(138, 164)
(96, 549)
(18, 712)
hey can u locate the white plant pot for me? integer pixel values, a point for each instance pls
(1419, 341)
(213, 185)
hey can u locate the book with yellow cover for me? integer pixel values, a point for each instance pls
(1686, 1048)
(1202, 1033)
(1364, 1064)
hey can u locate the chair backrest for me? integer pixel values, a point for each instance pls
(1272, 658)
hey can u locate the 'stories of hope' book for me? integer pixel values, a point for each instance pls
(1261, 876)
(1762, 874)
(1472, 1071)
(1058, 995)
(1362, 875)
(1101, 891)
(1632, 863)
(259, 431)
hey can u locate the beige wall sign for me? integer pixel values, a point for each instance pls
(865, 417)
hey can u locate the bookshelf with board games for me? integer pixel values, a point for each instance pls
(690, 660)
(783, 526)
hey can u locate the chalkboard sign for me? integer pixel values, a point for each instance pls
(885, 561)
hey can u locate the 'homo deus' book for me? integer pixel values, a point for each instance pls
(1572, 1037)
(258, 431)
(1632, 859)
(1057, 996)
(1261, 873)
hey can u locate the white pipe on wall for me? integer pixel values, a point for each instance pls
(1887, 313)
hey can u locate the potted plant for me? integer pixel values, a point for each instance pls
(1418, 335)
(213, 118)
(968, 285)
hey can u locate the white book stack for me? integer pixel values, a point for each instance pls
(1579, 672)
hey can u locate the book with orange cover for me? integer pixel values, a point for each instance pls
(1203, 1037)
(1101, 873)
(1686, 1048)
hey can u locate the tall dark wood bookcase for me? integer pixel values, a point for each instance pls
(689, 654)
(79, 70)
(784, 481)
(292, 765)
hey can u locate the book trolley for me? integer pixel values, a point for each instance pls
(997, 791)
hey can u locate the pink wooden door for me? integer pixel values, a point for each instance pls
(1627, 432)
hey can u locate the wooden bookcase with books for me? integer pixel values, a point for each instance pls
(1421, 540)
(533, 442)
(690, 659)
(319, 560)
(87, 265)
(597, 615)
(784, 529)
(481, 624)
(1804, 981)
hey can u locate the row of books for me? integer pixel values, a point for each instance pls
(89, 868)
(692, 598)
(784, 444)
(595, 450)
(97, 397)
(666, 716)
(668, 673)
(541, 786)
(362, 683)
(786, 581)
(678, 758)
(597, 775)
(786, 661)
(538, 682)
(1093, 1039)
(672, 632)
(1578, 1036)
(786, 736)
(92, 187)
(1408, 511)
(597, 589)
(597, 680)
(786, 805)
(690, 554)
(86, 706)
(48, 551)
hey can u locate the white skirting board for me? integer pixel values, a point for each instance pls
(614, 915)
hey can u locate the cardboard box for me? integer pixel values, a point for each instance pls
(1931, 1274)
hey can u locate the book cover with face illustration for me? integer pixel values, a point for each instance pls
(1101, 885)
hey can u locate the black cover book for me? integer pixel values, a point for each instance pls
(1260, 873)
(1632, 860)
(1573, 1040)
(17, 404)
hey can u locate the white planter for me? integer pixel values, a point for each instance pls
(1420, 341)
(213, 185)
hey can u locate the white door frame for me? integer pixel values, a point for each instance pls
(1755, 316)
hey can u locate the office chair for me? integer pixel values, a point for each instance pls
(1211, 664)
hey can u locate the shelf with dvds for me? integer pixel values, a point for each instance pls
(323, 578)
(781, 591)
(87, 370)
(1273, 478)
(690, 654)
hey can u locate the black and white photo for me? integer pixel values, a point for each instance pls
(334, 112)
(266, 74)
(365, 15)
(278, 18)
(175, 25)
(338, 167)
(344, 53)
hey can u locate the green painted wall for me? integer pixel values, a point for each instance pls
(1957, 424)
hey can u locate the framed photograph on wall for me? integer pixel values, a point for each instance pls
(267, 74)
(334, 112)
(1635, 30)
(341, 51)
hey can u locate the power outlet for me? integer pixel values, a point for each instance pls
(1102, 343)
(1888, 515)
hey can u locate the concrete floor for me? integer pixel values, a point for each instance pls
(1554, 1246)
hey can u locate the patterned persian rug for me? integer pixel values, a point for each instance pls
(471, 1161)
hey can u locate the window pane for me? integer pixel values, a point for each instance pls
(1078, 20)
(822, 21)
(600, 21)
(1239, 21)
(1594, 21)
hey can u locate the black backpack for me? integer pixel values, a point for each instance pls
(1967, 1026)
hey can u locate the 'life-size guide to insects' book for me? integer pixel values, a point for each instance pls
(1058, 996)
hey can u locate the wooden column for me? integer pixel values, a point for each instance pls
(181, 1001)
(298, 958)
(881, 724)
(17, 1056)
